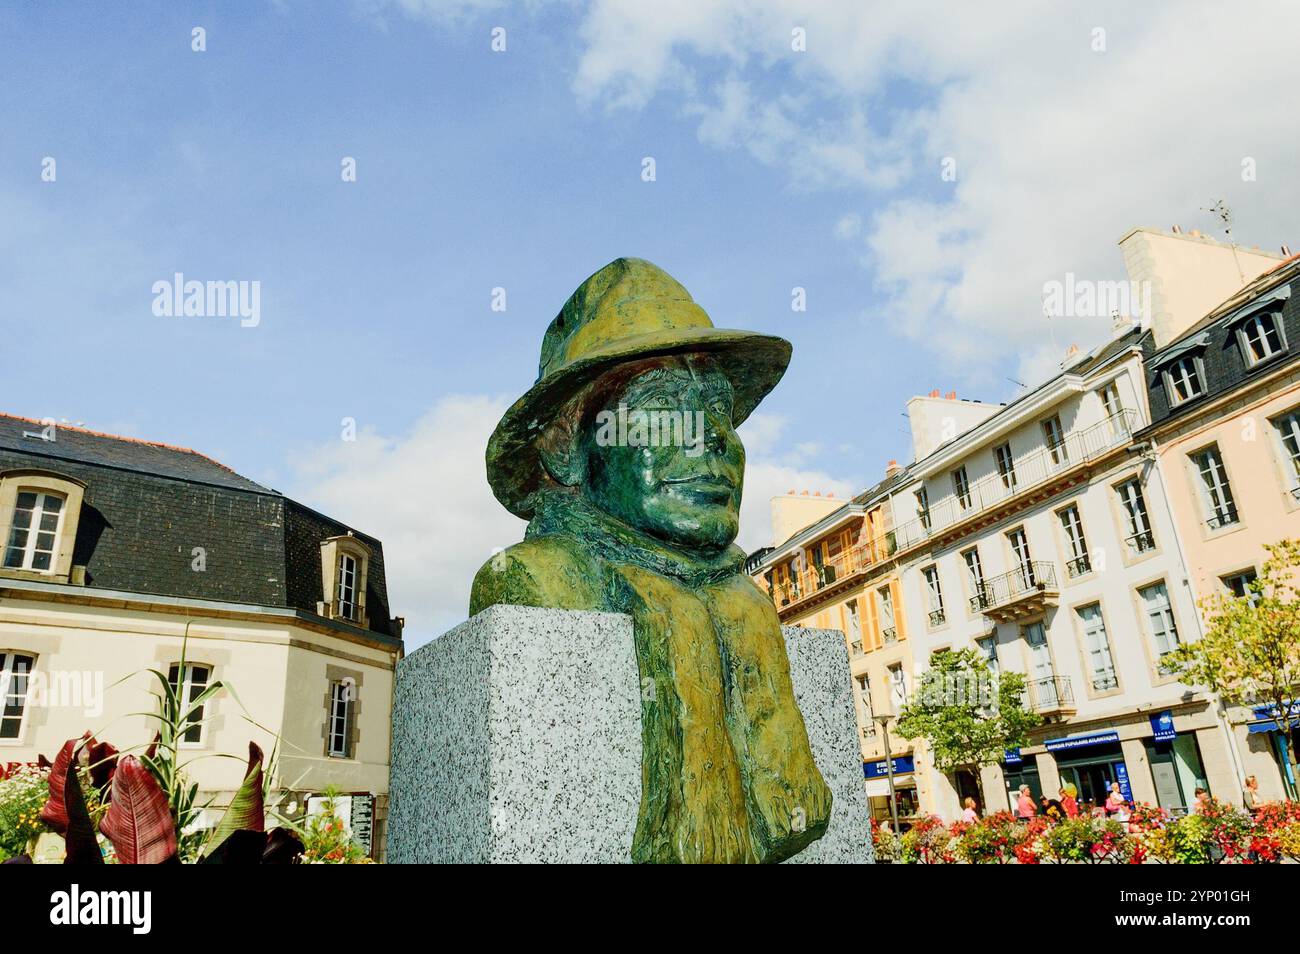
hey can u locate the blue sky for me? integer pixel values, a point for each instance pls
(522, 170)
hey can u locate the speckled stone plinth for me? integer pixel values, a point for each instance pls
(819, 669)
(517, 738)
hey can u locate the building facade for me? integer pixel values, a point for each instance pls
(839, 572)
(121, 555)
(1044, 540)
(1225, 427)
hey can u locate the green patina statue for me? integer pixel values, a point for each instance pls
(625, 460)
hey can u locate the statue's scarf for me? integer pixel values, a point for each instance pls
(569, 513)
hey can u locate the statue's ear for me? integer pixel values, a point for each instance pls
(560, 449)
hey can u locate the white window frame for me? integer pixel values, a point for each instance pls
(1113, 407)
(864, 694)
(348, 571)
(923, 506)
(974, 570)
(1019, 541)
(1054, 437)
(15, 686)
(961, 488)
(885, 607)
(341, 717)
(1217, 501)
(1072, 525)
(897, 689)
(1287, 429)
(988, 648)
(935, 589)
(188, 688)
(1096, 644)
(1262, 322)
(1158, 609)
(1246, 577)
(33, 531)
(1187, 373)
(1138, 517)
(1005, 462)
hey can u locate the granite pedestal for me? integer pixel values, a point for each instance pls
(517, 738)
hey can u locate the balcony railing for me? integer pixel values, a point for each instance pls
(1017, 593)
(1141, 541)
(1033, 469)
(1078, 566)
(1052, 695)
(857, 559)
(937, 617)
(889, 635)
(1223, 516)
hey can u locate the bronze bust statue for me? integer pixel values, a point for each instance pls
(625, 460)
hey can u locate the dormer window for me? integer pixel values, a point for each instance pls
(38, 524)
(1260, 337)
(347, 595)
(345, 562)
(33, 531)
(1184, 379)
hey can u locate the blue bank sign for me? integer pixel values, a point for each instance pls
(903, 765)
(1162, 726)
(1081, 741)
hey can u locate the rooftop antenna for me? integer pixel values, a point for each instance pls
(1220, 209)
(1051, 326)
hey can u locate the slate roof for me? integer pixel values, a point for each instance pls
(1214, 340)
(148, 505)
(127, 453)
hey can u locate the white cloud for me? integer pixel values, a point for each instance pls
(425, 496)
(1059, 148)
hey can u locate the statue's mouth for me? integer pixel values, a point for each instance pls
(704, 485)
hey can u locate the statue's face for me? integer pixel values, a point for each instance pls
(663, 457)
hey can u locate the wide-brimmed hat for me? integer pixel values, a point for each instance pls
(628, 311)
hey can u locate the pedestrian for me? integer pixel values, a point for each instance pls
(1201, 803)
(1052, 809)
(1069, 804)
(1116, 803)
(1251, 795)
(1025, 808)
(969, 814)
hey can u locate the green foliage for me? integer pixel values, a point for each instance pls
(968, 716)
(325, 838)
(1087, 839)
(989, 841)
(22, 793)
(1251, 648)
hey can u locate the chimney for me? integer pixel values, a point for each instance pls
(1178, 230)
(934, 393)
(892, 469)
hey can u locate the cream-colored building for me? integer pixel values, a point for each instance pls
(1225, 397)
(120, 555)
(834, 568)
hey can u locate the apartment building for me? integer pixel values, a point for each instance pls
(834, 568)
(1225, 426)
(1042, 539)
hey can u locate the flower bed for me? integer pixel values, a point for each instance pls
(1218, 834)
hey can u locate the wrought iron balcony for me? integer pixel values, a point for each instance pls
(1041, 467)
(889, 635)
(1078, 566)
(937, 617)
(1051, 696)
(1022, 592)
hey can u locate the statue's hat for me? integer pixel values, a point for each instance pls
(628, 311)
